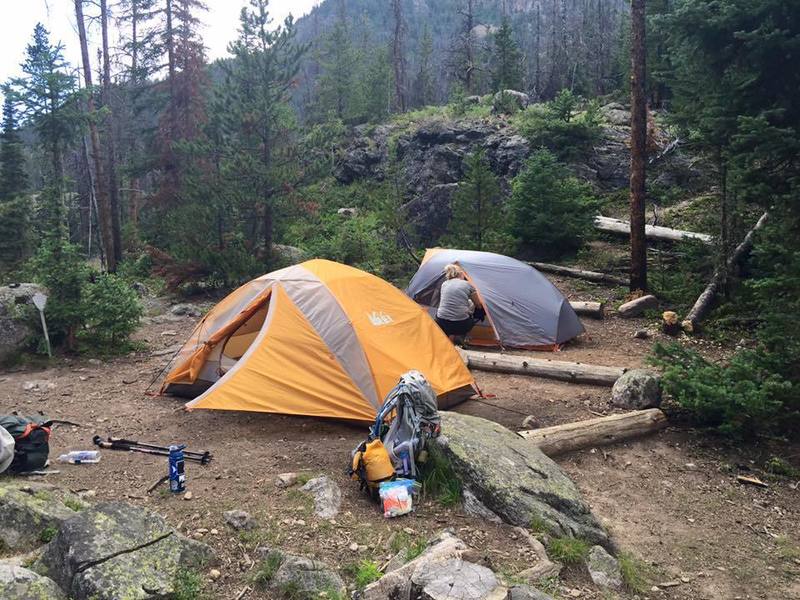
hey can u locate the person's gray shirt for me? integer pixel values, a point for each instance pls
(454, 300)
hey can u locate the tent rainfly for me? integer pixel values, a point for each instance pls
(318, 338)
(523, 309)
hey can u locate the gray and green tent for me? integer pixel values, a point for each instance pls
(523, 309)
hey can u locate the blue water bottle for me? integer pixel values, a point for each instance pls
(177, 475)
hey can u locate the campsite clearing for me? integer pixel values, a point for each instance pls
(671, 499)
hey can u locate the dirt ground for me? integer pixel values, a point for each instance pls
(671, 500)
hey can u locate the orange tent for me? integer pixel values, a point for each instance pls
(319, 339)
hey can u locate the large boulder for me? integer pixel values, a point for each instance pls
(442, 571)
(305, 577)
(636, 389)
(526, 592)
(16, 325)
(30, 513)
(514, 479)
(19, 583)
(115, 551)
(505, 99)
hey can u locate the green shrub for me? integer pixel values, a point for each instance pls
(553, 126)
(111, 309)
(739, 398)
(188, 585)
(266, 570)
(552, 213)
(568, 550)
(47, 534)
(440, 481)
(634, 573)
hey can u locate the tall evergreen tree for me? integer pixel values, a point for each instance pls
(638, 275)
(338, 63)
(14, 205)
(477, 216)
(424, 82)
(260, 80)
(13, 178)
(506, 59)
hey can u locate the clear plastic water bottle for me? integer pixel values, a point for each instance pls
(79, 457)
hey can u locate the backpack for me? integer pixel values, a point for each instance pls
(408, 418)
(31, 442)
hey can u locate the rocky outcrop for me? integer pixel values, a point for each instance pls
(114, 550)
(514, 479)
(305, 577)
(636, 389)
(16, 322)
(19, 583)
(442, 571)
(30, 513)
(504, 99)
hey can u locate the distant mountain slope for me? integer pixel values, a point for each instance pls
(565, 43)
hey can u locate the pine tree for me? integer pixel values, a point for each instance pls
(338, 63)
(260, 80)
(46, 93)
(477, 216)
(424, 83)
(13, 178)
(506, 59)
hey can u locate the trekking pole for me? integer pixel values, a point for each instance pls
(116, 444)
(122, 441)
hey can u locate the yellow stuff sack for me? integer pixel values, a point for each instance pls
(371, 465)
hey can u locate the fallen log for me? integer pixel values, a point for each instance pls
(537, 367)
(588, 309)
(637, 306)
(705, 300)
(595, 276)
(596, 432)
(654, 232)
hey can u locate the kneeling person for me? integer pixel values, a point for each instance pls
(457, 301)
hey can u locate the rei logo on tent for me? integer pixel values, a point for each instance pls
(379, 318)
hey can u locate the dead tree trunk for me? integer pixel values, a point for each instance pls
(113, 187)
(588, 309)
(398, 57)
(537, 367)
(594, 276)
(596, 432)
(656, 232)
(705, 301)
(638, 147)
(103, 205)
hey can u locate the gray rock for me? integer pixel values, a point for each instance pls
(531, 422)
(620, 118)
(285, 480)
(29, 510)
(456, 579)
(473, 506)
(526, 592)
(636, 389)
(19, 583)
(239, 519)
(513, 478)
(603, 568)
(114, 550)
(327, 496)
(347, 212)
(186, 309)
(17, 318)
(641, 334)
(290, 255)
(521, 100)
(307, 578)
(397, 583)
(543, 568)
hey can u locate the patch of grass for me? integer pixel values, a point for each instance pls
(188, 585)
(254, 537)
(265, 572)
(786, 549)
(413, 545)
(43, 496)
(304, 478)
(74, 504)
(440, 481)
(538, 525)
(549, 585)
(47, 534)
(634, 571)
(568, 550)
(777, 466)
(365, 573)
